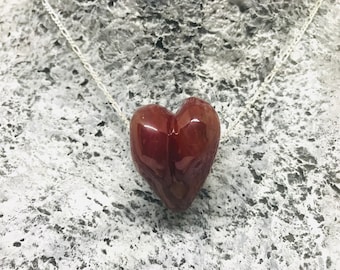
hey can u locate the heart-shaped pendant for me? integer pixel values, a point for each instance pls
(174, 152)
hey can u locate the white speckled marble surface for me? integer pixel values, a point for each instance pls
(70, 197)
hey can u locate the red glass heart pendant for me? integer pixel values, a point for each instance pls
(174, 152)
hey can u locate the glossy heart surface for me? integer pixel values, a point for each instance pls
(174, 152)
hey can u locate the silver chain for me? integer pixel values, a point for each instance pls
(281, 60)
(249, 103)
(94, 74)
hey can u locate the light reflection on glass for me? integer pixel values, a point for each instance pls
(151, 127)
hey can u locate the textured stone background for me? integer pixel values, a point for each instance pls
(69, 195)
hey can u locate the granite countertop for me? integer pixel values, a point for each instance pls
(70, 197)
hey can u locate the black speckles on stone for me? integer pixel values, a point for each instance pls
(35, 263)
(250, 201)
(227, 85)
(272, 205)
(328, 262)
(118, 205)
(81, 222)
(282, 189)
(263, 214)
(72, 140)
(306, 255)
(189, 92)
(319, 218)
(308, 113)
(153, 260)
(305, 191)
(51, 260)
(45, 70)
(332, 180)
(257, 177)
(258, 155)
(101, 124)
(204, 194)
(96, 154)
(146, 195)
(44, 211)
(178, 264)
(17, 244)
(170, 35)
(183, 261)
(15, 130)
(159, 44)
(254, 252)
(57, 43)
(131, 95)
(289, 238)
(58, 228)
(309, 167)
(296, 177)
(84, 83)
(226, 257)
(134, 205)
(84, 155)
(82, 266)
(251, 30)
(218, 228)
(178, 89)
(126, 211)
(97, 202)
(106, 210)
(334, 187)
(111, 3)
(107, 241)
(99, 133)
(81, 131)
(300, 216)
(305, 155)
(70, 238)
(80, 97)
(243, 5)
(204, 236)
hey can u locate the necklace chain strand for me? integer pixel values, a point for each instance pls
(94, 74)
(249, 103)
(282, 59)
